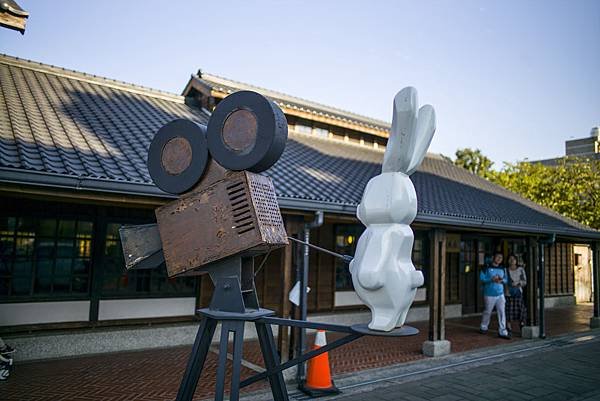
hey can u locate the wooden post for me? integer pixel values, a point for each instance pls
(437, 345)
(532, 282)
(532, 302)
(437, 285)
(595, 320)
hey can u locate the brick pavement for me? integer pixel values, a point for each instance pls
(553, 374)
(155, 374)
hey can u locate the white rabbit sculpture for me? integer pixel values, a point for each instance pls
(382, 271)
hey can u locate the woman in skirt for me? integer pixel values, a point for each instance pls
(515, 305)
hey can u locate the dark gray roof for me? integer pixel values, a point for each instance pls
(334, 173)
(73, 124)
(67, 129)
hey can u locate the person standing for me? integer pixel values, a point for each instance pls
(494, 278)
(515, 306)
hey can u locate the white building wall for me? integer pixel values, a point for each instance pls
(13, 314)
(146, 308)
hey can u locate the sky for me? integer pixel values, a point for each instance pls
(512, 78)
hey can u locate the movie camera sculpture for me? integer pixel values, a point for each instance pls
(227, 213)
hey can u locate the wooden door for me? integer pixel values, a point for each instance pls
(468, 275)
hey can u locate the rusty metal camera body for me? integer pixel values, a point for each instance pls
(226, 213)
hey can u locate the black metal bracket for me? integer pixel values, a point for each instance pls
(233, 304)
(232, 322)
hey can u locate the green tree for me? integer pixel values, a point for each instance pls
(571, 188)
(474, 161)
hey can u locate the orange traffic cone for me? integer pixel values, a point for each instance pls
(318, 375)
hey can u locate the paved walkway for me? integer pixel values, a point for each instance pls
(155, 374)
(561, 371)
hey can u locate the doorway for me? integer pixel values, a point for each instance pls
(583, 273)
(472, 261)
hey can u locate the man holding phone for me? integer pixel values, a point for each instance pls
(494, 278)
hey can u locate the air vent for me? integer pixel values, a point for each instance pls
(240, 207)
(267, 208)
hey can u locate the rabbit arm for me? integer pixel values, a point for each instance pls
(400, 145)
(374, 257)
(370, 275)
(423, 135)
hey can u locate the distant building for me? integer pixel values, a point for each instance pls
(580, 148)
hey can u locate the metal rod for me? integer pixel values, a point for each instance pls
(307, 325)
(345, 258)
(296, 361)
(303, 302)
(317, 222)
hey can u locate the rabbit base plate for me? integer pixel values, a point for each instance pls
(403, 331)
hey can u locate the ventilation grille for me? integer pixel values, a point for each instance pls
(265, 201)
(240, 207)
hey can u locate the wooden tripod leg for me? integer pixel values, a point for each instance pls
(196, 359)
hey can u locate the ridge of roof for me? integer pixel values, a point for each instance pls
(90, 78)
(211, 78)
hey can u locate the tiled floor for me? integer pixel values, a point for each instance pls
(155, 375)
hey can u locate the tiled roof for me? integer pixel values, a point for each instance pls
(334, 172)
(68, 129)
(64, 122)
(229, 86)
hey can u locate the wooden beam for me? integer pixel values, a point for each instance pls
(81, 196)
(437, 285)
(10, 21)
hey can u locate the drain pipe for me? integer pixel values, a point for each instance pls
(542, 282)
(301, 347)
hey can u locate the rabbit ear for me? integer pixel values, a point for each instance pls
(423, 135)
(399, 150)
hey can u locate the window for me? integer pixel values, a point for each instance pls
(321, 132)
(118, 282)
(43, 257)
(305, 129)
(346, 237)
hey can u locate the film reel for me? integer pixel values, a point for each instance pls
(247, 132)
(178, 155)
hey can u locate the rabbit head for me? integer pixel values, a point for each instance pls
(411, 134)
(390, 197)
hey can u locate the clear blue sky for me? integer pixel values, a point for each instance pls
(513, 78)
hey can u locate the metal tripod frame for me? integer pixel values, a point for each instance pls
(233, 304)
